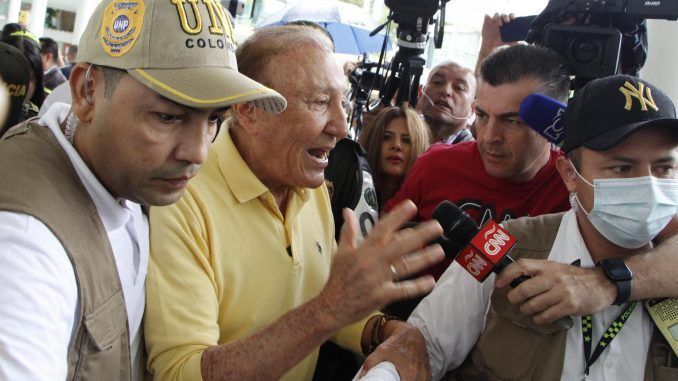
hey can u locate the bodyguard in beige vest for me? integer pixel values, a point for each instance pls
(151, 85)
(621, 137)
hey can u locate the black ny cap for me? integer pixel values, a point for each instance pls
(607, 110)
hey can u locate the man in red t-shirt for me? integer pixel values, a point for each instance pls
(509, 171)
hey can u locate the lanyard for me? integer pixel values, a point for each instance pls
(611, 332)
(605, 340)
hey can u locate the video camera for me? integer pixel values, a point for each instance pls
(643, 9)
(599, 38)
(402, 74)
(413, 18)
(363, 79)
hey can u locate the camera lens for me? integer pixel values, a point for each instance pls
(585, 51)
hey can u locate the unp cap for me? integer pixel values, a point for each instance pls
(607, 110)
(184, 51)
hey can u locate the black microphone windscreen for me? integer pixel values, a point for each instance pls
(447, 214)
(457, 225)
(450, 248)
(465, 230)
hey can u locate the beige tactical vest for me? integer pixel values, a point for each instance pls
(39, 180)
(513, 347)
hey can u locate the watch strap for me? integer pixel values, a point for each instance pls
(611, 267)
(623, 292)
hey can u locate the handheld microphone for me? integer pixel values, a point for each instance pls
(544, 115)
(457, 228)
(450, 247)
(481, 251)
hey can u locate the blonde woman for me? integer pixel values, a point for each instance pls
(393, 141)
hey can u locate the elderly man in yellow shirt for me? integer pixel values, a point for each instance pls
(245, 278)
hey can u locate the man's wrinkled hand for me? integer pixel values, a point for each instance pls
(405, 347)
(366, 277)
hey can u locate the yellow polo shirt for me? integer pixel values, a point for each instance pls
(225, 263)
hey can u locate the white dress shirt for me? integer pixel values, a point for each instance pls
(39, 295)
(452, 317)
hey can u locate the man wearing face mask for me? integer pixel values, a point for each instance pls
(621, 140)
(446, 102)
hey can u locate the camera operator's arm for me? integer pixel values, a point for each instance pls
(491, 38)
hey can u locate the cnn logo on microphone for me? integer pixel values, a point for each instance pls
(474, 263)
(493, 242)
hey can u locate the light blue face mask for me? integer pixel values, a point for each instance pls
(631, 212)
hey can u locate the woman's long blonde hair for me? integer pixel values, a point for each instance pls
(372, 137)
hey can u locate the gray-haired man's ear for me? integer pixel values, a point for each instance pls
(245, 114)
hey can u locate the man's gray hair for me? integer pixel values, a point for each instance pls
(258, 53)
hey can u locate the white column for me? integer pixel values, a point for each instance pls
(36, 24)
(13, 11)
(377, 10)
(82, 15)
(662, 57)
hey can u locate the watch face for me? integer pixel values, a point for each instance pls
(616, 270)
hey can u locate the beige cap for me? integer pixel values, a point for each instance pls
(182, 49)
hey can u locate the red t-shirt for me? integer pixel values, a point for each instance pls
(456, 173)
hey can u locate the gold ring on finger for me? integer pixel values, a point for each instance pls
(394, 272)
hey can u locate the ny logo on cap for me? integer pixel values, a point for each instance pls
(631, 92)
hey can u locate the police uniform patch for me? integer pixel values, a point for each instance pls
(121, 26)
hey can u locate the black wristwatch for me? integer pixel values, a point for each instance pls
(616, 271)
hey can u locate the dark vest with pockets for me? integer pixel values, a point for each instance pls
(39, 180)
(513, 347)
